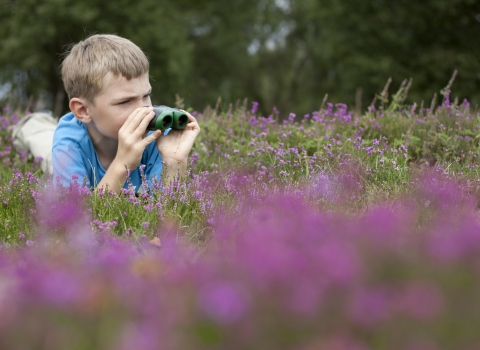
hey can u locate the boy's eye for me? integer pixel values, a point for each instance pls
(127, 101)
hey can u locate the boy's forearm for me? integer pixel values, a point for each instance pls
(114, 178)
(172, 168)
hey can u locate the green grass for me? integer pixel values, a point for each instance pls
(378, 156)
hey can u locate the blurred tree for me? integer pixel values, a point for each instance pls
(220, 34)
(348, 45)
(35, 33)
(287, 53)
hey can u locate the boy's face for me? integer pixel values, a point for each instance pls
(112, 107)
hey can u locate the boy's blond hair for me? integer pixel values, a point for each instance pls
(91, 64)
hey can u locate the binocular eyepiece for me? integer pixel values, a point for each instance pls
(167, 117)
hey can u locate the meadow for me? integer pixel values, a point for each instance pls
(331, 230)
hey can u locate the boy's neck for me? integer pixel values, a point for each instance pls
(105, 147)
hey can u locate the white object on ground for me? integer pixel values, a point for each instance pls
(34, 133)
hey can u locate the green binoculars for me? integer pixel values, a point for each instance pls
(167, 117)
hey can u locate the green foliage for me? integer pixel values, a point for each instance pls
(240, 154)
(18, 212)
(130, 214)
(37, 33)
(284, 53)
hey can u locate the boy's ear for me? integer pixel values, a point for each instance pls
(80, 109)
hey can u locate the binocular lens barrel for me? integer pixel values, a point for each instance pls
(167, 121)
(167, 117)
(180, 121)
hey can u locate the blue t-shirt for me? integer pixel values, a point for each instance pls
(73, 153)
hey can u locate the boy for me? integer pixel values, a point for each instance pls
(104, 138)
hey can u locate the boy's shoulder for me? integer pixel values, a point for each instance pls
(70, 130)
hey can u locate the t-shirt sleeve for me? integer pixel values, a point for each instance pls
(67, 161)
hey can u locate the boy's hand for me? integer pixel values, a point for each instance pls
(176, 146)
(131, 140)
(131, 144)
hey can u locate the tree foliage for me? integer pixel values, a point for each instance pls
(287, 53)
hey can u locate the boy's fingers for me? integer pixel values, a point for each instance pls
(134, 119)
(138, 118)
(191, 118)
(129, 119)
(142, 127)
(152, 137)
(193, 124)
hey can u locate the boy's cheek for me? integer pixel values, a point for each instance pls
(123, 118)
